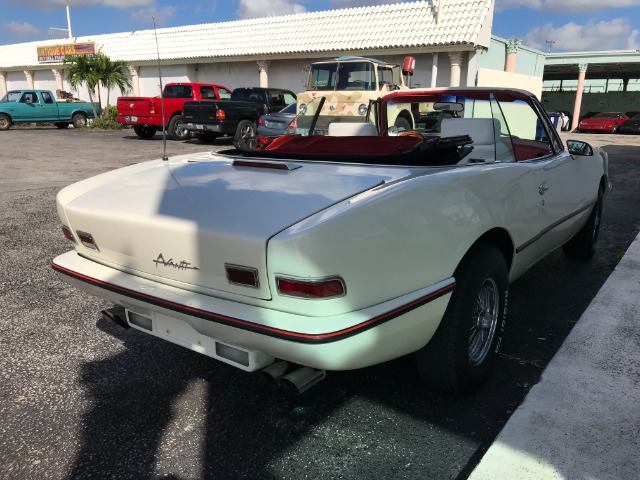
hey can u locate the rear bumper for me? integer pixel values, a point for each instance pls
(137, 120)
(215, 128)
(202, 322)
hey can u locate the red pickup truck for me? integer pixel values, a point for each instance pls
(145, 113)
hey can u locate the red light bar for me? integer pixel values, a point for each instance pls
(220, 115)
(325, 288)
(239, 275)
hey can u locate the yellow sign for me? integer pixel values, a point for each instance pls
(57, 53)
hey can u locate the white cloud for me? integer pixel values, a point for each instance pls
(53, 5)
(146, 15)
(617, 34)
(268, 8)
(562, 6)
(22, 30)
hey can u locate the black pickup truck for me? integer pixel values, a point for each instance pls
(238, 116)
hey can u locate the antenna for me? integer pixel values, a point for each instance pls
(164, 130)
(550, 42)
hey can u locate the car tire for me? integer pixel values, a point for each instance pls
(144, 131)
(461, 354)
(62, 125)
(402, 124)
(79, 120)
(174, 132)
(583, 244)
(246, 130)
(5, 122)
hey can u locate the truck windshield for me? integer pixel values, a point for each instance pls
(11, 97)
(343, 76)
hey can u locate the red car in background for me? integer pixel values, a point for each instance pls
(608, 122)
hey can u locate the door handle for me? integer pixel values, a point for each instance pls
(542, 189)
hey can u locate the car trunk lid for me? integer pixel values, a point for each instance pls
(184, 222)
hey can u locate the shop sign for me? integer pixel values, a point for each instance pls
(57, 53)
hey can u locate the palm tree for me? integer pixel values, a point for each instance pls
(81, 69)
(111, 74)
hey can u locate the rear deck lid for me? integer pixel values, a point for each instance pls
(183, 221)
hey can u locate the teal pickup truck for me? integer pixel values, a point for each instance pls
(28, 106)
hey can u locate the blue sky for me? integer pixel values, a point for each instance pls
(573, 25)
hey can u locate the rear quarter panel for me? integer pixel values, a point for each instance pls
(402, 237)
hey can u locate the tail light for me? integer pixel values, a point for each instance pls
(220, 115)
(87, 240)
(239, 275)
(260, 122)
(153, 108)
(68, 234)
(312, 289)
(292, 126)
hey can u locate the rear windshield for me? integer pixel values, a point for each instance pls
(247, 95)
(178, 91)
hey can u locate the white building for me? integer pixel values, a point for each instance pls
(450, 40)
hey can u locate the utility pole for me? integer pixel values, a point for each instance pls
(69, 21)
(550, 42)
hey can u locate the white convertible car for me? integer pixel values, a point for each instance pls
(315, 253)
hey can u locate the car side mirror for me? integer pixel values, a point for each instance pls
(576, 147)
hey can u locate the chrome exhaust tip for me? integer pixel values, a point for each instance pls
(301, 380)
(116, 316)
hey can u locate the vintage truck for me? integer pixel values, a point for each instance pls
(237, 116)
(28, 106)
(145, 113)
(348, 84)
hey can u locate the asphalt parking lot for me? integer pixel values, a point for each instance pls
(82, 399)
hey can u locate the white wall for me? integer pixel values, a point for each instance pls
(16, 81)
(149, 80)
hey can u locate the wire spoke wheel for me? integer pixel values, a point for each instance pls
(484, 322)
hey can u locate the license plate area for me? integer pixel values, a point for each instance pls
(179, 331)
(131, 118)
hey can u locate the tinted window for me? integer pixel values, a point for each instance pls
(178, 91)
(206, 92)
(248, 95)
(29, 97)
(46, 96)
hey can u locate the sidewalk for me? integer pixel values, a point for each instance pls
(582, 420)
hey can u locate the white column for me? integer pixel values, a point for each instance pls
(434, 70)
(263, 68)
(29, 75)
(472, 68)
(134, 71)
(456, 59)
(58, 74)
(576, 108)
(512, 52)
(3, 83)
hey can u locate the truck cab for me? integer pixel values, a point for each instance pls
(348, 85)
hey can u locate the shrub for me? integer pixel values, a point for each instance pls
(105, 124)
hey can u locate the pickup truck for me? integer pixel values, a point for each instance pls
(27, 106)
(237, 116)
(145, 113)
